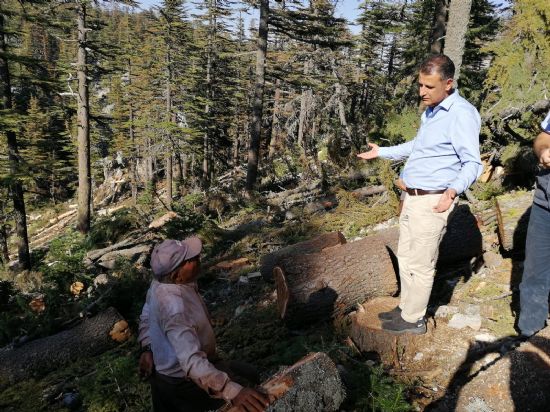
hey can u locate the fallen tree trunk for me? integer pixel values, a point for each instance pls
(367, 191)
(513, 210)
(329, 283)
(269, 261)
(93, 336)
(310, 385)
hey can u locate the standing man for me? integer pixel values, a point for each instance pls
(177, 340)
(443, 161)
(535, 283)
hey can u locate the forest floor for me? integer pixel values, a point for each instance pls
(476, 365)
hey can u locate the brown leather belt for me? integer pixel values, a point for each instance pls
(420, 192)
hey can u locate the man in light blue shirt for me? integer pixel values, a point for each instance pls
(443, 161)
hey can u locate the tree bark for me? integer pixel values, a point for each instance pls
(275, 133)
(133, 149)
(258, 101)
(40, 356)
(84, 173)
(457, 25)
(329, 283)
(312, 384)
(269, 261)
(438, 32)
(16, 188)
(513, 211)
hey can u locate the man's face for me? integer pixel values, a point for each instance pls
(433, 89)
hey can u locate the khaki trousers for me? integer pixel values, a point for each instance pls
(420, 232)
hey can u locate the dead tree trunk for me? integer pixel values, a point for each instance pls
(83, 115)
(310, 385)
(329, 283)
(513, 212)
(93, 336)
(268, 262)
(455, 37)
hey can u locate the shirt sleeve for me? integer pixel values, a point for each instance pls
(193, 360)
(143, 336)
(465, 141)
(398, 152)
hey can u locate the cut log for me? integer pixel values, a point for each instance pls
(269, 261)
(513, 210)
(329, 283)
(93, 336)
(367, 334)
(310, 385)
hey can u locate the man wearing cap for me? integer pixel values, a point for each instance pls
(176, 336)
(443, 161)
(535, 283)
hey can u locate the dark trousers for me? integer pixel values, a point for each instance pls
(535, 283)
(180, 395)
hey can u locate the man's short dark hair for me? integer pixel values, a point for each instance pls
(438, 63)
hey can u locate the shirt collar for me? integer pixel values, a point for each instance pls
(445, 104)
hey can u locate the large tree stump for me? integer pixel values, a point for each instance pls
(513, 210)
(367, 333)
(269, 261)
(329, 283)
(93, 336)
(310, 385)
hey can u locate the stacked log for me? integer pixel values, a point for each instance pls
(91, 337)
(269, 261)
(513, 210)
(310, 385)
(297, 196)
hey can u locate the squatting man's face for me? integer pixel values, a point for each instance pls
(433, 89)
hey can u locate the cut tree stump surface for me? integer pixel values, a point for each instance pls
(368, 335)
(312, 384)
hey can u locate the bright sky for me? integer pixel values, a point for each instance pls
(344, 8)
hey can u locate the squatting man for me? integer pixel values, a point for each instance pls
(443, 161)
(178, 343)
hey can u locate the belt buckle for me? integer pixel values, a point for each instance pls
(415, 191)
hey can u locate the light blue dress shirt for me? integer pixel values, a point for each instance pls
(445, 152)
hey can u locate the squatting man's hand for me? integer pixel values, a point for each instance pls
(146, 364)
(250, 400)
(445, 201)
(544, 158)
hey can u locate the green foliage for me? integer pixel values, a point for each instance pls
(402, 127)
(519, 71)
(376, 391)
(486, 191)
(111, 229)
(188, 222)
(115, 385)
